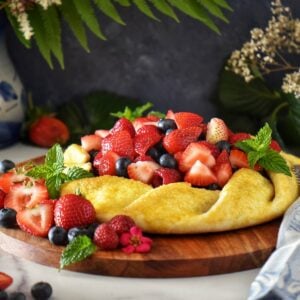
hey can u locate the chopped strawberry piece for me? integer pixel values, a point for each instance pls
(200, 175)
(238, 159)
(237, 137)
(6, 181)
(213, 148)
(275, 146)
(123, 124)
(170, 114)
(216, 131)
(143, 158)
(106, 165)
(38, 220)
(146, 137)
(223, 169)
(179, 139)
(194, 152)
(165, 176)
(187, 119)
(5, 281)
(102, 133)
(142, 121)
(2, 197)
(142, 171)
(25, 195)
(223, 157)
(178, 155)
(91, 142)
(120, 142)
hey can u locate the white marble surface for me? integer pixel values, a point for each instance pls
(77, 286)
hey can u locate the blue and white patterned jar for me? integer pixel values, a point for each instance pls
(11, 98)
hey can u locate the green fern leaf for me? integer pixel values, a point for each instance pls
(87, 14)
(125, 3)
(40, 34)
(143, 6)
(223, 4)
(165, 8)
(213, 9)
(107, 7)
(73, 19)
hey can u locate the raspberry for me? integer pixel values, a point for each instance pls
(121, 223)
(105, 237)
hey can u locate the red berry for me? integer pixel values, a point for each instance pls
(237, 137)
(238, 159)
(102, 133)
(187, 119)
(2, 197)
(5, 281)
(6, 181)
(143, 158)
(91, 142)
(105, 237)
(142, 170)
(213, 148)
(165, 176)
(106, 164)
(123, 124)
(275, 146)
(142, 121)
(121, 223)
(216, 131)
(223, 169)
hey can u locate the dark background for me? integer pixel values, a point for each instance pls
(172, 65)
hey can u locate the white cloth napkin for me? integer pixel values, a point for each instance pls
(280, 276)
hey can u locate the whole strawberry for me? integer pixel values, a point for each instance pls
(105, 237)
(121, 223)
(73, 211)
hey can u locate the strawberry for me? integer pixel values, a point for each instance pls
(194, 152)
(170, 114)
(102, 132)
(25, 195)
(238, 159)
(146, 137)
(178, 155)
(123, 124)
(2, 197)
(275, 146)
(91, 142)
(223, 169)
(5, 281)
(200, 175)
(179, 139)
(121, 223)
(105, 237)
(47, 130)
(142, 121)
(120, 142)
(38, 220)
(187, 119)
(216, 131)
(73, 210)
(213, 148)
(106, 165)
(143, 158)
(165, 176)
(237, 137)
(142, 171)
(6, 181)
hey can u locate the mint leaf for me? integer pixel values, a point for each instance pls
(77, 173)
(55, 155)
(254, 157)
(246, 145)
(157, 114)
(39, 171)
(264, 137)
(79, 249)
(53, 184)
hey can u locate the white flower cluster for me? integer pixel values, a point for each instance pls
(291, 83)
(19, 9)
(264, 52)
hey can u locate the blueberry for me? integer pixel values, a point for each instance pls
(3, 295)
(58, 236)
(213, 187)
(76, 231)
(6, 165)
(168, 161)
(16, 296)
(159, 146)
(91, 229)
(223, 145)
(154, 153)
(165, 124)
(41, 290)
(121, 166)
(8, 217)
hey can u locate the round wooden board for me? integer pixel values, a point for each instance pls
(170, 256)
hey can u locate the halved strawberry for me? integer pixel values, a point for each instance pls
(146, 137)
(237, 137)
(187, 119)
(223, 169)
(143, 158)
(216, 131)
(165, 176)
(200, 175)
(238, 159)
(275, 146)
(120, 142)
(142, 170)
(106, 165)
(123, 124)
(5, 281)
(194, 152)
(142, 121)
(38, 220)
(25, 195)
(91, 142)
(213, 148)
(179, 139)
(102, 132)
(6, 181)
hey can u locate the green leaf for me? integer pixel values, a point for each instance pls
(156, 114)
(79, 249)
(107, 7)
(125, 3)
(55, 155)
(253, 98)
(77, 173)
(39, 171)
(263, 138)
(53, 184)
(87, 14)
(253, 157)
(246, 145)
(224, 4)
(73, 19)
(132, 114)
(213, 9)
(143, 6)
(165, 8)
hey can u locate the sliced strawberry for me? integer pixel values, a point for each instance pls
(5, 281)
(6, 181)
(223, 169)
(223, 157)
(200, 175)
(275, 146)
(238, 159)
(120, 143)
(170, 114)
(25, 195)
(178, 155)
(142, 121)
(165, 176)
(213, 148)
(237, 137)
(194, 152)
(123, 124)
(2, 197)
(187, 119)
(143, 158)
(91, 142)
(102, 133)
(142, 170)
(146, 137)
(179, 139)
(106, 165)
(38, 220)
(216, 131)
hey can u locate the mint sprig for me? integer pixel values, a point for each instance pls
(77, 250)
(55, 173)
(258, 151)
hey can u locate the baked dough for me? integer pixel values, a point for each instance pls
(247, 199)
